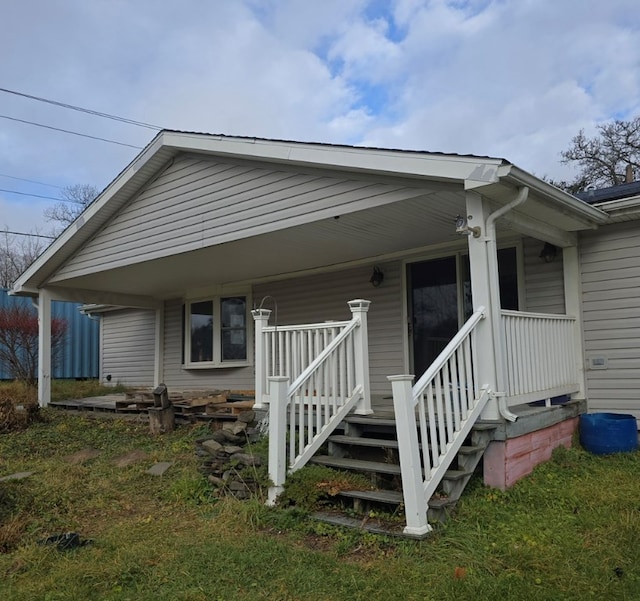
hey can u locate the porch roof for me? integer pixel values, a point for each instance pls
(433, 192)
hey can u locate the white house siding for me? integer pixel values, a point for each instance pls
(178, 378)
(324, 297)
(128, 347)
(306, 300)
(199, 202)
(610, 267)
(544, 282)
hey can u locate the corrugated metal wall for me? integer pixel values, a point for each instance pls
(80, 355)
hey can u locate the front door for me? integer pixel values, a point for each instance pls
(439, 301)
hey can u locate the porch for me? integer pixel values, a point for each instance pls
(314, 380)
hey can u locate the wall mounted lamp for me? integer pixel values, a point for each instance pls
(462, 227)
(548, 252)
(376, 277)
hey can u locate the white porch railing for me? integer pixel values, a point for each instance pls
(329, 380)
(287, 350)
(449, 401)
(540, 360)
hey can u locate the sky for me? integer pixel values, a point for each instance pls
(514, 79)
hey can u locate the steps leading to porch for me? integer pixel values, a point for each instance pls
(368, 445)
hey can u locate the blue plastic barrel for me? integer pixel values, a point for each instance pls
(605, 433)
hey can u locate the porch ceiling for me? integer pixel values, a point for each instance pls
(402, 226)
(425, 220)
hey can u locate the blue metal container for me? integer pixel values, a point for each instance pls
(605, 433)
(80, 355)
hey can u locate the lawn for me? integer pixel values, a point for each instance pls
(569, 531)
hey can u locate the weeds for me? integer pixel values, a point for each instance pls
(567, 532)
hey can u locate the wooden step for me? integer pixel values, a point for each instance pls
(363, 441)
(369, 525)
(456, 474)
(357, 464)
(392, 497)
(367, 420)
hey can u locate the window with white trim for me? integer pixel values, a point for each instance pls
(215, 332)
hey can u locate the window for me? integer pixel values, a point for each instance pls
(215, 332)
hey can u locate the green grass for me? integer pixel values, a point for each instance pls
(569, 531)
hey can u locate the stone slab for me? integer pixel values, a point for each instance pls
(16, 476)
(159, 468)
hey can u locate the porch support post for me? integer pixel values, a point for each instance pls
(415, 503)
(359, 309)
(261, 319)
(279, 386)
(483, 295)
(573, 307)
(44, 348)
(158, 359)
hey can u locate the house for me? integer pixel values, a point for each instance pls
(228, 263)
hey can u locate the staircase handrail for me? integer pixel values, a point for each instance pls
(449, 401)
(322, 357)
(420, 386)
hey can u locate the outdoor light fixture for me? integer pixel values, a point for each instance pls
(376, 277)
(462, 227)
(548, 252)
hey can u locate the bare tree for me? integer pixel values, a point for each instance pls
(609, 158)
(76, 199)
(17, 252)
(19, 341)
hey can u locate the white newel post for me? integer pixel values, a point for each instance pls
(483, 296)
(261, 320)
(44, 348)
(279, 386)
(415, 503)
(359, 308)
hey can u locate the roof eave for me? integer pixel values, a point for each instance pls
(518, 177)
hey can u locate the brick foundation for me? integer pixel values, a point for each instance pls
(506, 462)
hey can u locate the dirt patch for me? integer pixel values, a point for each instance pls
(82, 456)
(135, 456)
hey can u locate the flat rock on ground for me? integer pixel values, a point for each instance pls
(159, 468)
(16, 476)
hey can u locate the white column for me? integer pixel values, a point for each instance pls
(279, 385)
(415, 503)
(573, 307)
(483, 295)
(44, 348)
(261, 319)
(158, 360)
(359, 309)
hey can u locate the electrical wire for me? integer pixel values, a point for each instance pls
(82, 110)
(68, 131)
(25, 234)
(31, 181)
(39, 196)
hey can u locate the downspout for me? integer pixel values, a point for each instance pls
(494, 284)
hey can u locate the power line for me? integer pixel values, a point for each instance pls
(39, 196)
(68, 131)
(31, 181)
(82, 110)
(25, 234)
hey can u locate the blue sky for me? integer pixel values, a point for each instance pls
(508, 78)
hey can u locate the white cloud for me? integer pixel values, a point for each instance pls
(512, 78)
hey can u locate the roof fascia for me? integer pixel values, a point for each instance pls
(353, 158)
(21, 286)
(588, 214)
(621, 206)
